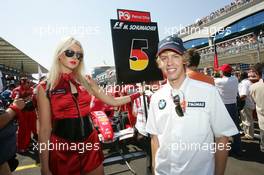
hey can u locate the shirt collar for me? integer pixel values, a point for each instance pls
(69, 77)
(183, 85)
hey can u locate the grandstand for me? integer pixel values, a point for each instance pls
(237, 30)
(15, 64)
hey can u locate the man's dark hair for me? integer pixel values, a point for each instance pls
(193, 58)
(227, 74)
(243, 75)
(257, 68)
(11, 86)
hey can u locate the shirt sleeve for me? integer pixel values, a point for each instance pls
(244, 89)
(221, 122)
(151, 126)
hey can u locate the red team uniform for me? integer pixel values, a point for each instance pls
(26, 118)
(71, 125)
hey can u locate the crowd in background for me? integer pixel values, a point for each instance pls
(235, 46)
(17, 121)
(220, 12)
(245, 88)
(228, 8)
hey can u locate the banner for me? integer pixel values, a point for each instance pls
(133, 16)
(135, 48)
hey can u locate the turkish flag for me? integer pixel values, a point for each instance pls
(215, 58)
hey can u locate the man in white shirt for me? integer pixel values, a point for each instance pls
(186, 119)
(246, 112)
(227, 86)
(257, 93)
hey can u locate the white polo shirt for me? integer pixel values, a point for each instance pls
(186, 143)
(243, 89)
(228, 89)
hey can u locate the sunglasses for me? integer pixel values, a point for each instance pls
(178, 108)
(71, 53)
(24, 81)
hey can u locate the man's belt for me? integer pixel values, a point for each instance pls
(73, 129)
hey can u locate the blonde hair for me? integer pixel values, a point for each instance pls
(161, 65)
(55, 70)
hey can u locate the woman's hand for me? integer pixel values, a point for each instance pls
(91, 81)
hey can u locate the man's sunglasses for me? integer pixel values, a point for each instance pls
(178, 108)
(71, 53)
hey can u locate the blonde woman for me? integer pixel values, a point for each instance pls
(68, 143)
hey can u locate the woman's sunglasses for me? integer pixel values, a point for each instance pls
(71, 53)
(178, 108)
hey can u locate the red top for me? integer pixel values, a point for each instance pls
(63, 101)
(200, 77)
(22, 92)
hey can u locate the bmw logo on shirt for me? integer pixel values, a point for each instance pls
(162, 104)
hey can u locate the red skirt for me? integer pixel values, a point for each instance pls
(75, 158)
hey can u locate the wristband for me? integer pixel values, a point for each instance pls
(14, 108)
(134, 96)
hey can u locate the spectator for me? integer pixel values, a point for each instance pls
(194, 60)
(247, 110)
(227, 86)
(257, 93)
(253, 74)
(8, 135)
(6, 94)
(26, 118)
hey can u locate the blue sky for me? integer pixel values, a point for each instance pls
(36, 27)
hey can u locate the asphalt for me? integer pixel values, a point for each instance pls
(250, 163)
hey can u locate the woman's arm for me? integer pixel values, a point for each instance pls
(108, 99)
(44, 129)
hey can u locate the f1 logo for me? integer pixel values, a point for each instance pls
(123, 15)
(118, 25)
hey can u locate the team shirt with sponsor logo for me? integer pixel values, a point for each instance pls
(187, 143)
